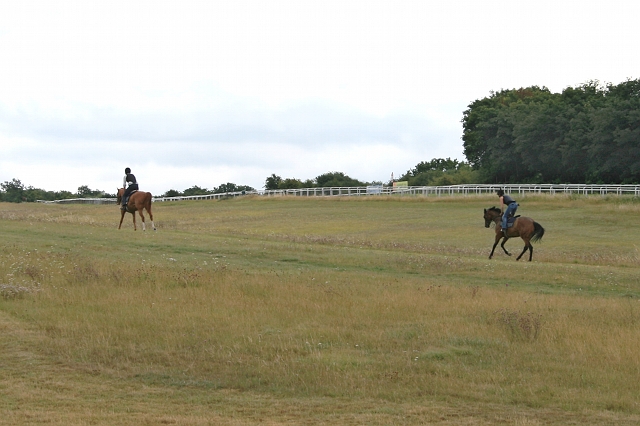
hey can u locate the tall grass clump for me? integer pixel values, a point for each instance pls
(520, 325)
(335, 333)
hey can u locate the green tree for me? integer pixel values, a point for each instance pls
(272, 182)
(172, 193)
(196, 190)
(586, 134)
(615, 142)
(13, 191)
(337, 179)
(290, 183)
(232, 187)
(63, 195)
(35, 194)
(440, 171)
(85, 192)
(436, 164)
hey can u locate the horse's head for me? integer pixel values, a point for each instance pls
(490, 215)
(119, 197)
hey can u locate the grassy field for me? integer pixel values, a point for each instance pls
(371, 311)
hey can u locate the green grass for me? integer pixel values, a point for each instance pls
(306, 311)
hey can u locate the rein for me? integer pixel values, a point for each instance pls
(498, 216)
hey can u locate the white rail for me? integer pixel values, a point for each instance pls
(577, 189)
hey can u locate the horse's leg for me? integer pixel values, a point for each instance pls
(526, 234)
(148, 207)
(134, 220)
(498, 237)
(530, 249)
(527, 246)
(121, 218)
(502, 245)
(144, 227)
(529, 241)
(141, 213)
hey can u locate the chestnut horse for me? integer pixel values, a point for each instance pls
(523, 227)
(137, 202)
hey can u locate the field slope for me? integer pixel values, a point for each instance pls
(319, 311)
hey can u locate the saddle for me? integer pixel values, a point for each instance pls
(125, 201)
(511, 219)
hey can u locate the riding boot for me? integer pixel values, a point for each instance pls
(505, 231)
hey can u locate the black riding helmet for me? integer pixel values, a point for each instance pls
(127, 170)
(500, 192)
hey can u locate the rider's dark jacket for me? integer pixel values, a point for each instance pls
(133, 186)
(130, 179)
(506, 199)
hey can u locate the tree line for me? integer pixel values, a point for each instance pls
(586, 134)
(330, 179)
(438, 171)
(196, 190)
(435, 172)
(14, 191)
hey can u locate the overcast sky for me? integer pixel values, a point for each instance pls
(208, 92)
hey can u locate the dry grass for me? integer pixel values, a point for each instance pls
(318, 311)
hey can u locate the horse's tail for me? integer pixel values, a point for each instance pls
(538, 232)
(148, 199)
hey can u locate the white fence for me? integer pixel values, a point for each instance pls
(460, 189)
(372, 191)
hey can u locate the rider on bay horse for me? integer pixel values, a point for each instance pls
(512, 206)
(130, 180)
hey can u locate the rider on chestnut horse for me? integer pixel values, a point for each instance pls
(129, 179)
(133, 201)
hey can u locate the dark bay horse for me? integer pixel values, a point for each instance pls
(523, 227)
(138, 201)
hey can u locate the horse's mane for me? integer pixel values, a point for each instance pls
(495, 209)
